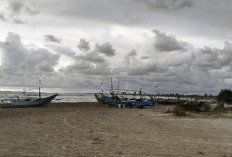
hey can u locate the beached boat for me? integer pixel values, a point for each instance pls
(130, 98)
(115, 100)
(26, 102)
(36, 102)
(30, 102)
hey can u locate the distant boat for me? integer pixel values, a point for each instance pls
(115, 100)
(119, 97)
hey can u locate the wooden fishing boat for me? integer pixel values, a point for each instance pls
(26, 102)
(115, 100)
(119, 97)
(30, 102)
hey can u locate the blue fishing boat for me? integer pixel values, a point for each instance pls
(141, 103)
(125, 98)
(30, 102)
(115, 100)
(104, 99)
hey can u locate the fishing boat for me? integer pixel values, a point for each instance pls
(28, 102)
(125, 98)
(115, 100)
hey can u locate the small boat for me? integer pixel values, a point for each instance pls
(26, 102)
(30, 102)
(36, 102)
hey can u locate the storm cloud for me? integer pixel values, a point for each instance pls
(166, 43)
(106, 49)
(92, 57)
(52, 38)
(167, 4)
(83, 45)
(19, 62)
(17, 7)
(183, 45)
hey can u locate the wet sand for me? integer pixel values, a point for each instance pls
(91, 129)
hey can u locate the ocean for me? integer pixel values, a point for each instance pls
(64, 94)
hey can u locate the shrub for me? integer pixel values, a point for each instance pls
(225, 95)
(220, 107)
(179, 111)
(196, 106)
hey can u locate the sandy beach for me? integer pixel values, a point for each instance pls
(91, 129)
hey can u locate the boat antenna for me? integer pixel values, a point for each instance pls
(140, 84)
(111, 85)
(156, 88)
(40, 86)
(118, 84)
(102, 86)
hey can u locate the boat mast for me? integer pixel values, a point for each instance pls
(39, 87)
(102, 87)
(111, 85)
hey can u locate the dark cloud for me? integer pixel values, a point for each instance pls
(132, 53)
(2, 17)
(105, 49)
(146, 69)
(166, 43)
(16, 10)
(167, 4)
(145, 57)
(63, 50)
(17, 60)
(186, 66)
(88, 68)
(31, 11)
(18, 21)
(92, 57)
(17, 7)
(130, 57)
(52, 38)
(83, 45)
(213, 58)
(212, 21)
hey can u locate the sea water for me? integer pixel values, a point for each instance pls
(64, 94)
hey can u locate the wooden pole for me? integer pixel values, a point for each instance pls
(39, 93)
(39, 86)
(112, 85)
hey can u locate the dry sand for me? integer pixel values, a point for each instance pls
(90, 129)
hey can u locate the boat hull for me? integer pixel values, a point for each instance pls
(103, 99)
(37, 102)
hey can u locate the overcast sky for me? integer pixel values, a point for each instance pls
(183, 46)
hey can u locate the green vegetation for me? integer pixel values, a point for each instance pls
(194, 106)
(225, 95)
(179, 111)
